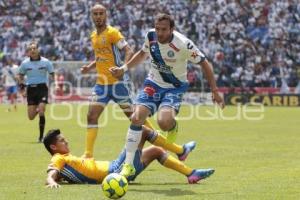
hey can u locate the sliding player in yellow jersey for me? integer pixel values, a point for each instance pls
(106, 41)
(72, 169)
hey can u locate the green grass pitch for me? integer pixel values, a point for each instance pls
(253, 159)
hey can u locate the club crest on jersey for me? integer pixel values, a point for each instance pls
(171, 53)
(103, 40)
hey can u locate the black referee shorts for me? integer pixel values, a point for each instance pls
(37, 93)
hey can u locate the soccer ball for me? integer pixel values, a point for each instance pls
(114, 186)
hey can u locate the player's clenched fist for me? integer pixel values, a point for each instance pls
(118, 71)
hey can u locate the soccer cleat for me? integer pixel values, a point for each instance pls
(172, 134)
(199, 174)
(187, 148)
(127, 170)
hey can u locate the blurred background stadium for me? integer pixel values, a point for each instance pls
(253, 44)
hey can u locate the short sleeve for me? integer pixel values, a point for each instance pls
(57, 163)
(118, 39)
(146, 47)
(50, 67)
(193, 53)
(116, 36)
(21, 69)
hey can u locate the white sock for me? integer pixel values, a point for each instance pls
(134, 136)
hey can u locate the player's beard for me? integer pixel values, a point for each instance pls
(165, 40)
(100, 23)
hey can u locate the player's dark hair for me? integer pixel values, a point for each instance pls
(51, 138)
(164, 16)
(33, 42)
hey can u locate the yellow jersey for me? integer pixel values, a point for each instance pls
(106, 47)
(79, 170)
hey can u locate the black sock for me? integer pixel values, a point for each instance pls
(42, 126)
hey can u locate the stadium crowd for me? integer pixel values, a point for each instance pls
(252, 43)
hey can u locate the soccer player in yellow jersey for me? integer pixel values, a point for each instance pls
(106, 41)
(72, 169)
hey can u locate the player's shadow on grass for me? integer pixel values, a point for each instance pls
(167, 192)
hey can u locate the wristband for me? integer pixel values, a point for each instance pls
(125, 68)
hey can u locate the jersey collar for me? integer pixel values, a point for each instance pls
(170, 41)
(38, 59)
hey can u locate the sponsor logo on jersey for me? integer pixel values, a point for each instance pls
(42, 67)
(171, 53)
(152, 48)
(189, 46)
(162, 67)
(104, 50)
(174, 47)
(99, 59)
(170, 59)
(149, 90)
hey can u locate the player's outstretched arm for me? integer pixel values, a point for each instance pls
(86, 68)
(51, 179)
(128, 53)
(208, 71)
(136, 59)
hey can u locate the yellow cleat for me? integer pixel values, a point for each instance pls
(127, 170)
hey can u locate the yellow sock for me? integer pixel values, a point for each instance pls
(161, 141)
(148, 124)
(173, 163)
(90, 140)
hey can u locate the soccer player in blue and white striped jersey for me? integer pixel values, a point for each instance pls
(169, 52)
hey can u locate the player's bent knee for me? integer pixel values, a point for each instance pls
(165, 125)
(136, 120)
(161, 155)
(159, 151)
